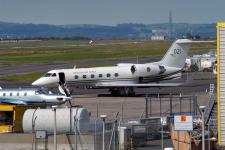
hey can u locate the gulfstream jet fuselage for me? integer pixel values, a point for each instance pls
(122, 78)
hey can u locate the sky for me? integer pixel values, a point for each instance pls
(111, 12)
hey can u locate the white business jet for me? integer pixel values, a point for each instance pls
(124, 77)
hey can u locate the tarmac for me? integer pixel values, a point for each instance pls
(99, 101)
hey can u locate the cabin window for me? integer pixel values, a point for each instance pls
(47, 74)
(10, 94)
(148, 69)
(84, 76)
(76, 76)
(4, 94)
(92, 76)
(25, 94)
(54, 75)
(100, 75)
(108, 75)
(116, 74)
(17, 94)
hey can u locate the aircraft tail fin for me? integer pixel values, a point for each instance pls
(178, 52)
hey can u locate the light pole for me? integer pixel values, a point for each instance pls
(55, 127)
(202, 108)
(163, 122)
(103, 130)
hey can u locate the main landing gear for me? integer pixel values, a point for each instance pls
(122, 91)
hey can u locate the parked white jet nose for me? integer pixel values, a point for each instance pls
(50, 78)
(43, 81)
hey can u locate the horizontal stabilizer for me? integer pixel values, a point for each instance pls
(187, 41)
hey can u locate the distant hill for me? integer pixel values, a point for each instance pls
(120, 31)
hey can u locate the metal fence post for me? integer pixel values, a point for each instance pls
(122, 113)
(203, 108)
(190, 141)
(190, 106)
(116, 135)
(162, 133)
(150, 101)
(95, 137)
(97, 111)
(146, 106)
(160, 100)
(209, 133)
(55, 128)
(178, 140)
(34, 146)
(194, 99)
(75, 132)
(180, 99)
(171, 105)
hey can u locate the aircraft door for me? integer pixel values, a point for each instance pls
(62, 78)
(62, 85)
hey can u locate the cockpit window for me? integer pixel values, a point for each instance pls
(47, 74)
(41, 92)
(54, 75)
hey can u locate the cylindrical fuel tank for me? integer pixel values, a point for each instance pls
(66, 118)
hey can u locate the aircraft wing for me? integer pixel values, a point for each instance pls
(138, 85)
(13, 102)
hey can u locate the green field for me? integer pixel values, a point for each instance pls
(23, 77)
(48, 51)
(59, 50)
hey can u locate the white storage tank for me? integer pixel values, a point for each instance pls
(43, 120)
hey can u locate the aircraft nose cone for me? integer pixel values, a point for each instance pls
(34, 83)
(37, 83)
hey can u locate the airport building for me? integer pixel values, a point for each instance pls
(158, 37)
(221, 82)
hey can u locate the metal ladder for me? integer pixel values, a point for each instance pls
(211, 111)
